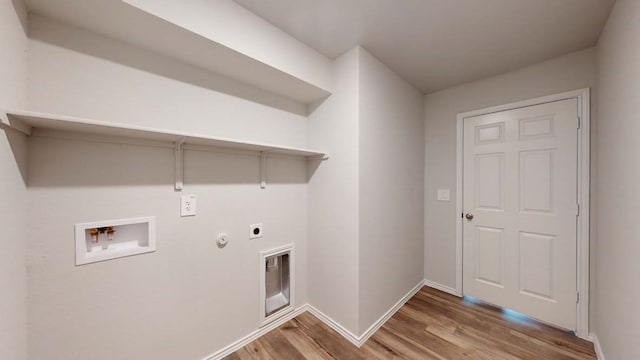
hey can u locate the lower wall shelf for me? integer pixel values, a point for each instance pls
(28, 121)
(111, 239)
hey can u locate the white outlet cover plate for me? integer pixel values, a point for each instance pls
(188, 205)
(252, 228)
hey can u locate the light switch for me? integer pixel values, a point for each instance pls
(443, 194)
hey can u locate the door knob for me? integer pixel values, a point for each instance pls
(469, 216)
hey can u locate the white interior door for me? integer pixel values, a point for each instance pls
(520, 204)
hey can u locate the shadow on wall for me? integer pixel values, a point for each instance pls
(55, 162)
(21, 11)
(96, 45)
(312, 166)
(18, 144)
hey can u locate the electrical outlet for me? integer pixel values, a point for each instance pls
(188, 205)
(255, 231)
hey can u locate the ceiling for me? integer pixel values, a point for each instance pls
(433, 44)
(436, 44)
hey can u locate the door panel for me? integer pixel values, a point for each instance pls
(536, 181)
(536, 265)
(490, 178)
(520, 184)
(488, 248)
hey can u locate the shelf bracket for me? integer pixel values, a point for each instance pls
(179, 163)
(263, 170)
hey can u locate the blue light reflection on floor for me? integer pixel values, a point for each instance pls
(508, 314)
(516, 316)
(471, 299)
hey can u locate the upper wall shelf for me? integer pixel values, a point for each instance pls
(26, 121)
(234, 42)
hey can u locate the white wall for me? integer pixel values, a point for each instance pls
(189, 298)
(79, 73)
(14, 203)
(570, 72)
(618, 269)
(370, 191)
(391, 189)
(334, 198)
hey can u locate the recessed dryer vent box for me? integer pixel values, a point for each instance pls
(111, 239)
(276, 283)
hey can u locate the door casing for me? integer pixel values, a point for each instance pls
(583, 98)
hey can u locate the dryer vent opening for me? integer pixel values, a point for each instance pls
(276, 283)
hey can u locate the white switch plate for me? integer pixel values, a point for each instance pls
(443, 195)
(188, 205)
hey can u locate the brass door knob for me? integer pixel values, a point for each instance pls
(469, 216)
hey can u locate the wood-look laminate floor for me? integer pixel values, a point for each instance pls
(432, 325)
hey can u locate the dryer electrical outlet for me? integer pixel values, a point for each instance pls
(255, 231)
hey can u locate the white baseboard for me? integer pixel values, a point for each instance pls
(441, 287)
(360, 340)
(237, 345)
(598, 348)
(355, 340)
(334, 325)
(383, 319)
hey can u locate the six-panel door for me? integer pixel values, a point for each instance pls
(520, 188)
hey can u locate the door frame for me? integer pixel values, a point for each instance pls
(582, 271)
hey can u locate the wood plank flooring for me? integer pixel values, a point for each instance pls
(432, 325)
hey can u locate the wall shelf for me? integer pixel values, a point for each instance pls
(152, 25)
(27, 121)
